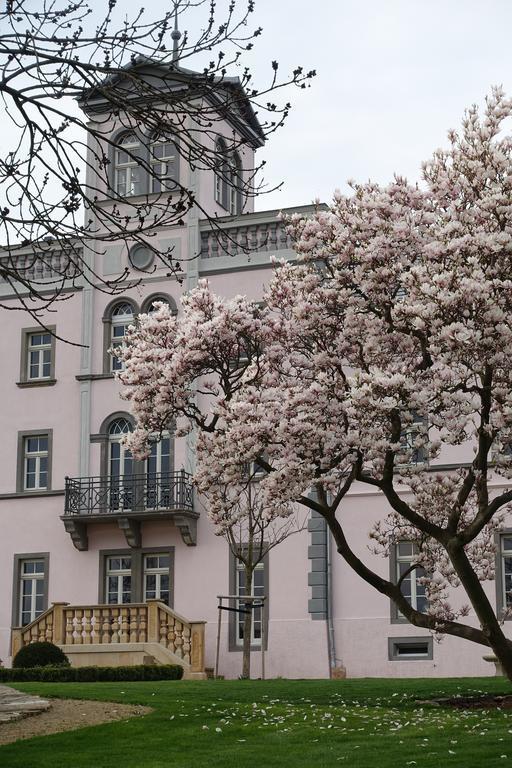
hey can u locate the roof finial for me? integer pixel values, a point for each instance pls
(176, 34)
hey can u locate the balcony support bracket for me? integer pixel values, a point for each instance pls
(188, 528)
(131, 530)
(78, 532)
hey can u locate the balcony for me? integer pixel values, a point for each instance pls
(129, 500)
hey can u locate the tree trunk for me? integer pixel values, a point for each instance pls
(489, 623)
(246, 656)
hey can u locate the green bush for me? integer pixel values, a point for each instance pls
(40, 655)
(67, 674)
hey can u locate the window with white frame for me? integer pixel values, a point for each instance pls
(235, 176)
(127, 169)
(258, 590)
(39, 356)
(120, 319)
(506, 571)
(157, 577)
(118, 574)
(159, 467)
(221, 173)
(31, 590)
(35, 462)
(120, 468)
(411, 587)
(411, 452)
(136, 575)
(163, 162)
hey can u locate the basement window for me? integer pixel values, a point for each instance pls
(410, 649)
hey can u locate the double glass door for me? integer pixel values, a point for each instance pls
(152, 490)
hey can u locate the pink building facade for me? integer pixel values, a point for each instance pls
(84, 524)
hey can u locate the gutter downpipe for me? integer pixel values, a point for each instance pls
(331, 638)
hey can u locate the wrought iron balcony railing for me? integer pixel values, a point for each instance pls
(152, 492)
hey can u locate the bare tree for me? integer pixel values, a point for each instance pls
(251, 534)
(66, 80)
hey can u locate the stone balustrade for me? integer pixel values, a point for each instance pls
(249, 233)
(112, 625)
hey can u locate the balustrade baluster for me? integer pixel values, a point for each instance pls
(96, 626)
(134, 625)
(282, 236)
(143, 624)
(115, 626)
(79, 627)
(186, 644)
(87, 627)
(242, 240)
(68, 617)
(162, 628)
(106, 627)
(272, 236)
(178, 639)
(125, 625)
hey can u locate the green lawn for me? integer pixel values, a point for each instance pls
(304, 724)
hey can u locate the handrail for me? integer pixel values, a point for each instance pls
(153, 491)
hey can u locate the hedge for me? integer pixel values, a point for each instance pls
(63, 674)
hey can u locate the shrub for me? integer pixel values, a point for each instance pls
(66, 674)
(40, 655)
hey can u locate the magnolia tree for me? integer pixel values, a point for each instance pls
(250, 534)
(386, 343)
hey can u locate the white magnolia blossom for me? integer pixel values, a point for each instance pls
(387, 341)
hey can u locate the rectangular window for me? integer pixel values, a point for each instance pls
(260, 588)
(411, 452)
(410, 649)
(163, 165)
(35, 462)
(157, 577)
(505, 567)
(136, 575)
(118, 587)
(402, 558)
(37, 356)
(30, 587)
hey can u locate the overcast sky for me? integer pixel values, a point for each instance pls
(393, 76)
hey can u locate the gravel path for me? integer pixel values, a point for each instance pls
(66, 715)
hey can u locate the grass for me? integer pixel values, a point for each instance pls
(304, 724)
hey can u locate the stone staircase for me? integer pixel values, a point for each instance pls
(118, 635)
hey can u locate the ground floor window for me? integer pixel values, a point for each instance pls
(504, 572)
(136, 575)
(157, 577)
(30, 589)
(119, 580)
(260, 588)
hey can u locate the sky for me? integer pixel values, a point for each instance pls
(393, 77)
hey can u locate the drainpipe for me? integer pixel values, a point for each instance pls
(331, 639)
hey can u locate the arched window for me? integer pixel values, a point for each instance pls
(164, 163)
(221, 173)
(120, 466)
(127, 170)
(149, 304)
(235, 185)
(122, 317)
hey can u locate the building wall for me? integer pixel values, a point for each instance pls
(74, 409)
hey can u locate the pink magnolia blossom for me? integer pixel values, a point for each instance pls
(389, 339)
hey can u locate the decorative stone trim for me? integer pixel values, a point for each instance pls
(317, 576)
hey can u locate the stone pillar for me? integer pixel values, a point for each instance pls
(59, 625)
(197, 642)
